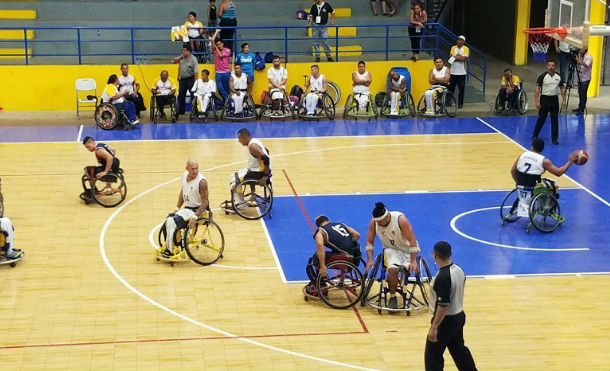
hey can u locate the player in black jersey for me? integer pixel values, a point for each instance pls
(342, 242)
(105, 156)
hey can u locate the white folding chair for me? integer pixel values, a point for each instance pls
(85, 87)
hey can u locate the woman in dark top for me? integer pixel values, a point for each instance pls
(417, 21)
(212, 18)
(228, 18)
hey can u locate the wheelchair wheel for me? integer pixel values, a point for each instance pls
(249, 108)
(106, 116)
(497, 104)
(410, 104)
(449, 104)
(257, 199)
(153, 109)
(545, 214)
(374, 107)
(386, 105)
(522, 104)
(334, 92)
(205, 243)
(508, 210)
(349, 102)
(421, 105)
(371, 278)
(328, 106)
(225, 109)
(162, 236)
(110, 190)
(342, 287)
(425, 279)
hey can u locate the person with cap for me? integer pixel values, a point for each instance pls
(341, 239)
(458, 56)
(447, 324)
(400, 247)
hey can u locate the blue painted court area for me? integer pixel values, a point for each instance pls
(587, 226)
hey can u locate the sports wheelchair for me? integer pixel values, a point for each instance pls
(414, 290)
(257, 198)
(204, 244)
(248, 113)
(156, 113)
(444, 104)
(520, 104)
(3, 258)
(406, 106)
(108, 191)
(210, 112)
(352, 110)
(267, 110)
(107, 116)
(324, 109)
(342, 286)
(539, 203)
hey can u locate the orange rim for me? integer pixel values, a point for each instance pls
(561, 31)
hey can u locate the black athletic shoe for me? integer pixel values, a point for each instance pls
(317, 59)
(329, 59)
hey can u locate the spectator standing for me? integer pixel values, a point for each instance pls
(447, 325)
(187, 74)
(195, 30)
(246, 59)
(212, 17)
(318, 17)
(222, 65)
(374, 7)
(417, 20)
(228, 18)
(585, 63)
(548, 87)
(458, 57)
(563, 50)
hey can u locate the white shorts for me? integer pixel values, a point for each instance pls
(395, 257)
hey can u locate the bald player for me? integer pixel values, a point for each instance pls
(194, 196)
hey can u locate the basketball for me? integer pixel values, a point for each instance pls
(581, 157)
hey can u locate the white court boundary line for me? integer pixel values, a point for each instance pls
(458, 231)
(565, 175)
(80, 133)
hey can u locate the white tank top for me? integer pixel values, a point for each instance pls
(439, 74)
(254, 164)
(361, 88)
(395, 83)
(190, 190)
(391, 235)
(316, 84)
(531, 163)
(240, 83)
(204, 87)
(126, 84)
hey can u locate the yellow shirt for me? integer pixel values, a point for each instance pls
(193, 31)
(109, 92)
(515, 81)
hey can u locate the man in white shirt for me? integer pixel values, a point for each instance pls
(458, 57)
(240, 86)
(131, 89)
(277, 77)
(164, 90)
(204, 89)
(318, 85)
(361, 82)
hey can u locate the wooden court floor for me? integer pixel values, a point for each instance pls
(89, 295)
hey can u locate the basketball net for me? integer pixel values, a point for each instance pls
(540, 39)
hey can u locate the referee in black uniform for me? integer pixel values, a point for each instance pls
(447, 325)
(548, 87)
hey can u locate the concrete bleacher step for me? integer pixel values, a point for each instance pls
(17, 14)
(345, 50)
(332, 32)
(15, 34)
(13, 53)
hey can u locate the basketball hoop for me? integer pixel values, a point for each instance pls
(540, 38)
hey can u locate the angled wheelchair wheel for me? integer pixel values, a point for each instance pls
(425, 280)
(545, 214)
(205, 243)
(349, 102)
(522, 104)
(386, 105)
(410, 105)
(334, 92)
(162, 236)
(153, 109)
(343, 285)
(421, 105)
(257, 199)
(510, 204)
(328, 107)
(371, 278)
(449, 105)
(110, 190)
(106, 116)
(374, 107)
(497, 104)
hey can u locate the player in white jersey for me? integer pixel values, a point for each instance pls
(7, 246)
(259, 167)
(400, 247)
(361, 81)
(240, 86)
(439, 80)
(204, 89)
(398, 88)
(277, 76)
(194, 197)
(318, 86)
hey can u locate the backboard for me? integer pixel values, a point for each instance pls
(574, 14)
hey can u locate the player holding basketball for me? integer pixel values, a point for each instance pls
(400, 247)
(106, 157)
(530, 165)
(194, 196)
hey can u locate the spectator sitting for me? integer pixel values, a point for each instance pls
(240, 86)
(205, 90)
(212, 18)
(131, 88)
(398, 87)
(318, 85)
(277, 77)
(439, 80)
(164, 90)
(361, 81)
(509, 89)
(222, 65)
(112, 95)
(246, 59)
(195, 31)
